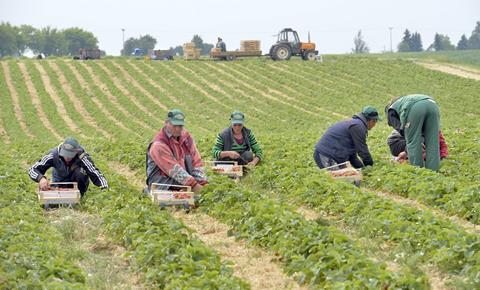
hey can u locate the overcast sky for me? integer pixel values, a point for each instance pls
(332, 24)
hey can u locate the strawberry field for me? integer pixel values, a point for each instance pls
(404, 228)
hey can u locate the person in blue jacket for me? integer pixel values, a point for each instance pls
(346, 140)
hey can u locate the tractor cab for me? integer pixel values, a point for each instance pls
(288, 35)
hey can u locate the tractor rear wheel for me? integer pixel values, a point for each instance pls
(282, 52)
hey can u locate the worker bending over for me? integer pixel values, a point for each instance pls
(346, 139)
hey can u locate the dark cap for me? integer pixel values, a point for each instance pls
(371, 113)
(69, 148)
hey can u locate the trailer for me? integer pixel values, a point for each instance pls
(88, 53)
(159, 54)
(232, 55)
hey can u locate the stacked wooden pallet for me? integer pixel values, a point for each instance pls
(190, 51)
(249, 45)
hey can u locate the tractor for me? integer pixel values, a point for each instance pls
(289, 44)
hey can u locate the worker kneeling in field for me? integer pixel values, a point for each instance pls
(173, 158)
(345, 139)
(398, 145)
(70, 163)
(237, 143)
(417, 117)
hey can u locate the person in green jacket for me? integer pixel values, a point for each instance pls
(415, 116)
(237, 143)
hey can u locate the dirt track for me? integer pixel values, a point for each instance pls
(453, 69)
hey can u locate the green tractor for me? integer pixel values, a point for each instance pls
(288, 44)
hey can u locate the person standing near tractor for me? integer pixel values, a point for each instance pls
(417, 117)
(221, 45)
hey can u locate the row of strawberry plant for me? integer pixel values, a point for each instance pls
(31, 252)
(137, 119)
(52, 112)
(430, 239)
(262, 89)
(198, 115)
(210, 85)
(94, 90)
(316, 253)
(85, 98)
(67, 101)
(338, 98)
(162, 247)
(430, 188)
(144, 103)
(251, 103)
(19, 84)
(9, 121)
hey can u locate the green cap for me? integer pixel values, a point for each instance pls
(237, 117)
(176, 117)
(371, 113)
(69, 148)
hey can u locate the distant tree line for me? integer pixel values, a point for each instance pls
(16, 40)
(413, 41)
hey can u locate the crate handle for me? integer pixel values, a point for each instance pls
(220, 162)
(156, 185)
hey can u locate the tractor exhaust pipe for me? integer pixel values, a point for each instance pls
(309, 37)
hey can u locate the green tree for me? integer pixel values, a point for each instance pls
(474, 39)
(8, 41)
(442, 42)
(15, 40)
(410, 42)
(205, 47)
(177, 49)
(462, 43)
(25, 38)
(416, 42)
(77, 38)
(360, 44)
(52, 42)
(404, 45)
(143, 42)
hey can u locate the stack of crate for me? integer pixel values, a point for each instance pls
(249, 45)
(190, 51)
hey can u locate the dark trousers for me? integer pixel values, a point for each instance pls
(162, 180)
(245, 158)
(322, 160)
(79, 176)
